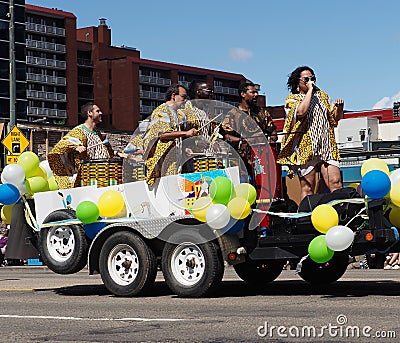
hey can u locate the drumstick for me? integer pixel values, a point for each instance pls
(210, 121)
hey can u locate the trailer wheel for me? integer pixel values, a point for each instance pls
(192, 267)
(127, 265)
(324, 273)
(63, 248)
(259, 272)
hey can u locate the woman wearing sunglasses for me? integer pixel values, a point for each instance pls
(309, 143)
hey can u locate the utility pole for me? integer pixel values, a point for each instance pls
(12, 67)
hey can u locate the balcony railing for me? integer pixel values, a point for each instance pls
(47, 112)
(51, 30)
(85, 95)
(46, 79)
(36, 44)
(33, 94)
(154, 80)
(146, 109)
(85, 79)
(85, 62)
(185, 84)
(152, 95)
(225, 90)
(45, 62)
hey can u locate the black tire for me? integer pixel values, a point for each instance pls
(127, 265)
(324, 273)
(63, 248)
(192, 267)
(257, 272)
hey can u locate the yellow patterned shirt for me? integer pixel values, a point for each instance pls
(65, 161)
(310, 136)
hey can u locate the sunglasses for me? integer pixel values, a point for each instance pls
(308, 78)
(210, 91)
(184, 96)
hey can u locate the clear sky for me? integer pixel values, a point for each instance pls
(352, 45)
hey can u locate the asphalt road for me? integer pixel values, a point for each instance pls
(37, 305)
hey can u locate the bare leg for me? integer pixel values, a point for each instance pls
(394, 258)
(331, 176)
(307, 184)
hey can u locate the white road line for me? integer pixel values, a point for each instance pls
(93, 319)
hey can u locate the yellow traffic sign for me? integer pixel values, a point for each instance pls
(15, 141)
(12, 159)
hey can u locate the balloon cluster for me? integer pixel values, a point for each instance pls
(27, 177)
(377, 182)
(334, 237)
(111, 204)
(225, 203)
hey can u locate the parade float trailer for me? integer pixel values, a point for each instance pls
(157, 231)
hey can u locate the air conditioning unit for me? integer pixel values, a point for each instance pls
(353, 132)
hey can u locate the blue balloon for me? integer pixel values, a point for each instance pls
(237, 227)
(93, 229)
(376, 184)
(9, 194)
(233, 227)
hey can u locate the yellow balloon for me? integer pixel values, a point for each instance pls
(246, 191)
(354, 185)
(6, 212)
(111, 204)
(40, 171)
(395, 194)
(323, 217)
(239, 208)
(200, 208)
(394, 216)
(374, 164)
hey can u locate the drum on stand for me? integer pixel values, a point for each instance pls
(101, 172)
(134, 171)
(266, 177)
(206, 163)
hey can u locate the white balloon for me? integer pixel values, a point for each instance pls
(22, 188)
(217, 216)
(339, 237)
(395, 177)
(14, 174)
(45, 165)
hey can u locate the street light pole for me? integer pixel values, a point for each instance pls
(12, 67)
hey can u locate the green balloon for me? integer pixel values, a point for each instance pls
(87, 212)
(36, 184)
(29, 161)
(319, 251)
(222, 190)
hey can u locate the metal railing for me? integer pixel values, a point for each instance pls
(46, 79)
(53, 30)
(84, 62)
(45, 45)
(225, 90)
(45, 62)
(152, 95)
(85, 79)
(154, 80)
(33, 94)
(47, 112)
(146, 109)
